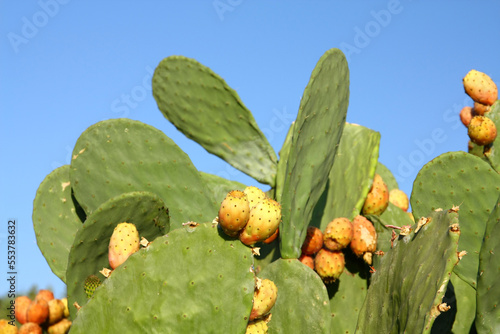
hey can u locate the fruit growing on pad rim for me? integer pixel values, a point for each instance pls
(399, 199)
(377, 199)
(482, 130)
(364, 238)
(337, 234)
(234, 212)
(263, 222)
(480, 87)
(264, 299)
(313, 242)
(329, 265)
(123, 243)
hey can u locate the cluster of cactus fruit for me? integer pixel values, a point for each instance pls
(43, 314)
(146, 243)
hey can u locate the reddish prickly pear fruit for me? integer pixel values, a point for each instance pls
(123, 243)
(337, 234)
(307, 260)
(91, 283)
(272, 237)
(61, 327)
(377, 199)
(254, 195)
(480, 109)
(56, 311)
(30, 328)
(466, 115)
(480, 87)
(313, 242)
(22, 303)
(257, 327)
(329, 264)
(234, 212)
(482, 130)
(38, 311)
(364, 238)
(399, 199)
(264, 298)
(45, 294)
(263, 222)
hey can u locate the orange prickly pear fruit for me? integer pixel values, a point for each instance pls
(22, 303)
(272, 237)
(337, 234)
(313, 242)
(466, 115)
(377, 199)
(480, 109)
(234, 212)
(30, 328)
(38, 311)
(480, 87)
(364, 238)
(254, 195)
(307, 260)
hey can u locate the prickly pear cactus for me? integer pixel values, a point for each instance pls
(406, 292)
(191, 280)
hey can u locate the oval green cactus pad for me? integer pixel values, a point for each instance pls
(55, 219)
(192, 280)
(89, 253)
(203, 107)
(464, 180)
(121, 155)
(316, 135)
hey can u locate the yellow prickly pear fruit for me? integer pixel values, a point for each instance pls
(6, 328)
(337, 234)
(264, 299)
(263, 222)
(234, 212)
(61, 327)
(254, 195)
(329, 264)
(482, 130)
(257, 327)
(123, 243)
(399, 199)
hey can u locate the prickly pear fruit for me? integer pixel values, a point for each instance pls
(377, 199)
(263, 222)
(123, 243)
(257, 327)
(66, 309)
(337, 234)
(466, 115)
(307, 260)
(411, 216)
(22, 303)
(56, 311)
(30, 328)
(254, 195)
(480, 109)
(234, 212)
(45, 294)
(38, 311)
(364, 238)
(329, 264)
(482, 130)
(264, 298)
(6, 328)
(313, 242)
(272, 237)
(399, 199)
(91, 283)
(480, 87)
(61, 327)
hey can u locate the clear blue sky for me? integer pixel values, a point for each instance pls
(66, 65)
